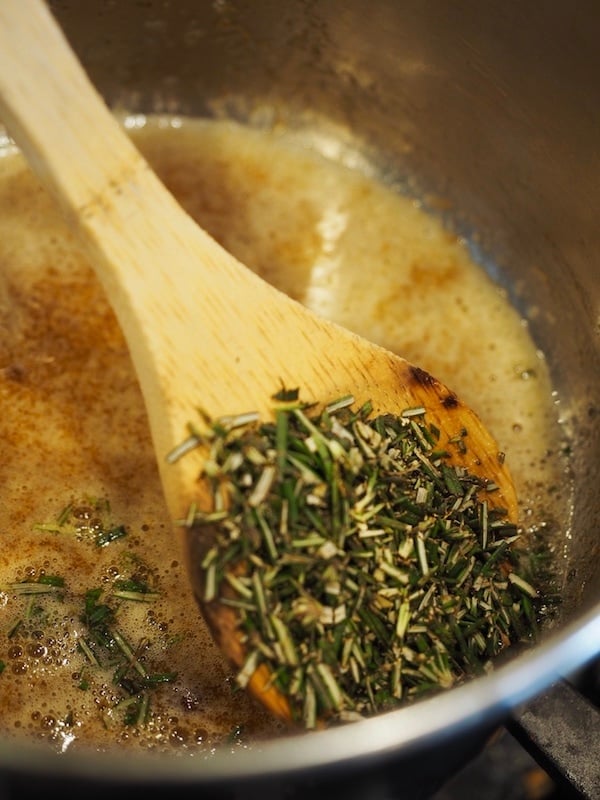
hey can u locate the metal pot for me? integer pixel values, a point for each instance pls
(492, 106)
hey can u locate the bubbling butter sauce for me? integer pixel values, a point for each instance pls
(74, 431)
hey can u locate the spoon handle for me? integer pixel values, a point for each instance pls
(160, 270)
(82, 155)
(57, 117)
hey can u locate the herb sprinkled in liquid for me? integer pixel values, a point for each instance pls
(107, 656)
(365, 569)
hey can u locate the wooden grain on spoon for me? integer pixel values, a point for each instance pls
(203, 330)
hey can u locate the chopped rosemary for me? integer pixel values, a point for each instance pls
(87, 519)
(366, 569)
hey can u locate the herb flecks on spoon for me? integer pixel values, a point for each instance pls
(365, 568)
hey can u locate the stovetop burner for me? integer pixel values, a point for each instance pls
(550, 750)
(504, 771)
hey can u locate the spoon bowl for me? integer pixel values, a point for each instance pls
(203, 330)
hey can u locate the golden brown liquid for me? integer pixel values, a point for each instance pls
(73, 425)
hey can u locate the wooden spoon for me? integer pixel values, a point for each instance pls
(202, 329)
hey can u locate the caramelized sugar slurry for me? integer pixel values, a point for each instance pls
(101, 641)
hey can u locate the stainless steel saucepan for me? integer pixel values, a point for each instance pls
(494, 107)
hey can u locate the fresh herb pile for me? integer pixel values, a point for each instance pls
(365, 568)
